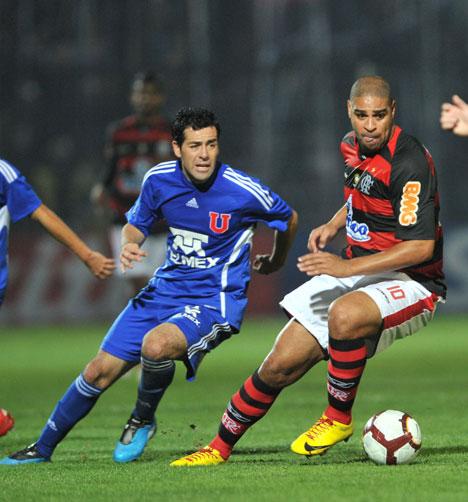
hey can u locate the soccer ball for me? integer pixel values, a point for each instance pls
(391, 437)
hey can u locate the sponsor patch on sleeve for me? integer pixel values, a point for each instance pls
(409, 203)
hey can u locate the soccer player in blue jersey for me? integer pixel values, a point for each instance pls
(195, 300)
(18, 200)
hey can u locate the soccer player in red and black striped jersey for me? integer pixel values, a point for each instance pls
(385, 286)
(134, 145)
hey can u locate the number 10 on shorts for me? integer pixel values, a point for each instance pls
(396, 292)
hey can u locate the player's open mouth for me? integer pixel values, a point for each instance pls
(371, 140)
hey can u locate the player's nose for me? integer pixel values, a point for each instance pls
(370, 124)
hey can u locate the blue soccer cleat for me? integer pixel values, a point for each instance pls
(29, 455)
(135, 437)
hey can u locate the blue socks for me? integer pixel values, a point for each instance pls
(75, 404)
(156, 376)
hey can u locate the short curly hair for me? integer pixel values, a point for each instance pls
(196, 118)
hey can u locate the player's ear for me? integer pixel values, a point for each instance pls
(393, 108)
(176, 149)
(350, 108)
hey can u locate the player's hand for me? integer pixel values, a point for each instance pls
(454, 116)
(320, 262)
(264, 265)
(130, 252)
(320, 237)
(100, 266)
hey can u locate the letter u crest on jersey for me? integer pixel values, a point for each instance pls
(219, 222)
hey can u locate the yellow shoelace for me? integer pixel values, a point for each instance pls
(320, 426)
(200, 454)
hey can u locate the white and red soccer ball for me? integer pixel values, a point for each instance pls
(391, 437)
(6, 421)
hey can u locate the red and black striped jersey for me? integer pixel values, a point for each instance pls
(391, 197)
(132, 148)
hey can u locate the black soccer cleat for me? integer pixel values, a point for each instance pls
(29, 455)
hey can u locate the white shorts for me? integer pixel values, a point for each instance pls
(405, 305)
(154, 245)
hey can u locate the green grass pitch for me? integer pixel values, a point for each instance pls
(425, 376)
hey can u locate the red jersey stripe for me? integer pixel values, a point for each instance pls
(372, 205)
(378, 241)
(392, 142)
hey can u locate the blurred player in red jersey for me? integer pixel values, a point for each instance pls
(135, 144)
(454, 116)
(385, 286)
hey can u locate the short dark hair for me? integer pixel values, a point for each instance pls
(372, 85)
(149, 77)
(196, 118)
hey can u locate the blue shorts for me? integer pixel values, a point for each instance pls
(203, 327)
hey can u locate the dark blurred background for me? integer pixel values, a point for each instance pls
(276, 72)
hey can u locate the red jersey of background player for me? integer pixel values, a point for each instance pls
(391, 197)
(133, 147)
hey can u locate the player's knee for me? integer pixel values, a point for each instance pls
(154, 348)
(341, 321)
(95, 373)
(276, 372)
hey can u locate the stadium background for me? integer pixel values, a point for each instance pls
(277, 73)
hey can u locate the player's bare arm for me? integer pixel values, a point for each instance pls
(454, 116)
(322, 235)
(100, 266)
(402, 255)
(266, 264)
(132, 239)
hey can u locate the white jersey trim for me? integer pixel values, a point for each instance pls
(204, 340)
(4, 218)
(265, 200)
(164, 167)
(7, 171)
(245, 238)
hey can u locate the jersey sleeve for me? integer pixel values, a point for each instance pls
(270, 209)
(145, 211)
(413, 190)
(21, 199)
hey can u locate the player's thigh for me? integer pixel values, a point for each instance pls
(166, 341)
(294, 352)
(125, 337)
(309, 303)
(354, 315)
(405, 307)
(204, 328)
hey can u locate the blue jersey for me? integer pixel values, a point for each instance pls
(210, 236)
(17, 200)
